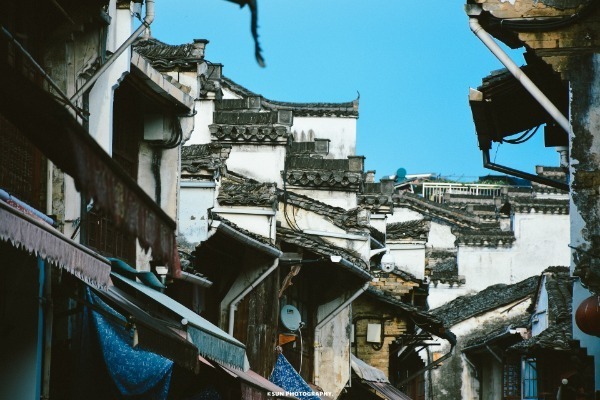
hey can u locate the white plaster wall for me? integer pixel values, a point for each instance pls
(440, 235)
(193, 218)
(203, 118)
(345, 200)
(542, 241)
(379, 222)
(540, 322)
(443, 293)
(334, 353)
(403, 214)
(483, 267)
(228, 94)
(263, 163)
(306, 220)
(259, 224)
(340, 131)
(169, 177)
(102, 93)
(409, 257)
(360, 246)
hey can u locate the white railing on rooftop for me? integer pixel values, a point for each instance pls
(435, 191)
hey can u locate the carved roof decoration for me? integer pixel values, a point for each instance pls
(323, 179)
(203, 157)
(166, 57)
(345, 109)
(490, 298)
(247, 194)
(377, 196)
(417, 229)
(319, 246)
(436, 210)
(491, 236)
(538, 205)
(255, 134)
(326, 174)
(350, 220)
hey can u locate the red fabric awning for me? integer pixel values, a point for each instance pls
(97, 176)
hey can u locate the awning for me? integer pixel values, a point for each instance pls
(153, 333)
(36, 237)
(374, 381)
(57, 134)
(251, 378)
(211, 341)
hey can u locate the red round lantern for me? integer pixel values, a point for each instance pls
(587, 316)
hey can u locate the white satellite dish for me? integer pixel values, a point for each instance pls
(290, 318)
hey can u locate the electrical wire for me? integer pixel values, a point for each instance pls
(528, 134)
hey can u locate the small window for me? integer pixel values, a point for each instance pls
(530, 378)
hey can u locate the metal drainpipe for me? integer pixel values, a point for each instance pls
(325, 320)
(148, 19)
(537, 94)
(240, 297)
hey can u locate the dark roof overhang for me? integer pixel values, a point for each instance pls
(501, 106)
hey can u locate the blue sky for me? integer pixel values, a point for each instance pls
(412, 62)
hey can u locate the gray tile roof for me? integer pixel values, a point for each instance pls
(345, 219)
(491, 236)
(558, 335)
(248, 133)
(437, 210)
(537, 205)
(488, 299)
(198, 157)
(247, 194)
(319, 246)
(166, 57)
(409, 230)
(442, 266)
(344, 109)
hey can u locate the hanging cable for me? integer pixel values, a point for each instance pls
(524, 137)
(301, 346)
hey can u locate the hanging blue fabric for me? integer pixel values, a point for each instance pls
(286, 377)
(134, 371)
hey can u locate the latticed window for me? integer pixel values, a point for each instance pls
(512, 381)
(22, 167)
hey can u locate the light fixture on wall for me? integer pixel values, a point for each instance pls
(162, 271)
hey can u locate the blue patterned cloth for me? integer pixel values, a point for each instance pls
(286, 377)
(134, 371)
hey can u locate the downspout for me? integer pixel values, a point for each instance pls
(521, 174)
(148, 19)
(537, 94)
(240, 297)
(325, 320)
(519, 75)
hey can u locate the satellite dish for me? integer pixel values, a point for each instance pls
(290, 318)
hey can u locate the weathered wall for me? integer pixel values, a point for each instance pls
(193, 215)
(261, 162)
(585, 173)
(377, 355)
(337, 198)
(334, 349)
